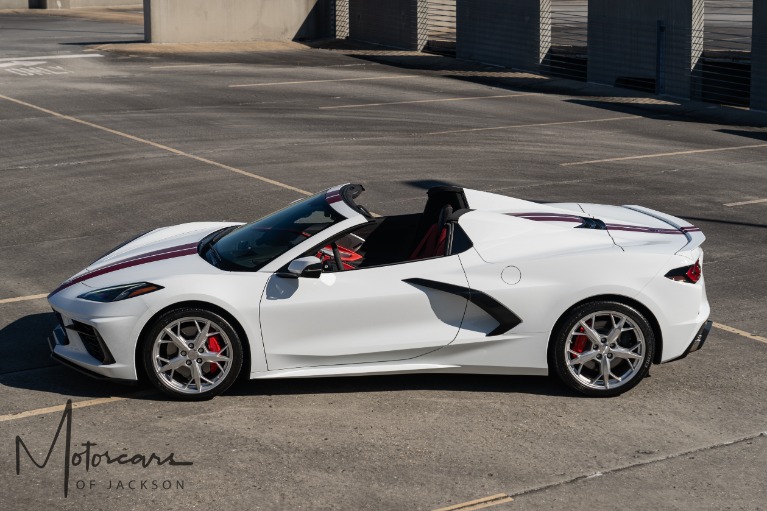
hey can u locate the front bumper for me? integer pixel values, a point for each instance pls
(59, 338)
(99, 338)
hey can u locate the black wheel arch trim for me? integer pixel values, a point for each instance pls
(506, 318)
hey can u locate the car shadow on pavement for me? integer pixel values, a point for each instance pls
(27, 363)
(536, 385)
(24, 343)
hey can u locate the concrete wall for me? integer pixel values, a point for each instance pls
(759, 56)
(623, 42)
(510, 33)
(64, 4)
(14, 4)
(190, 21)
(397, 23)
(74, 4)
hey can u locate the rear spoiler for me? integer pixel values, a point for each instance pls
(693, 234)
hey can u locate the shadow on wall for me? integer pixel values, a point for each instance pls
(319, 23)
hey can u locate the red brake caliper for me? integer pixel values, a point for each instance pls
(215, 347)
(580, 343)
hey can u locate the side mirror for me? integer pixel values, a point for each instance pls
(307, 267)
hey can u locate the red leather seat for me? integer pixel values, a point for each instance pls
(434, 242)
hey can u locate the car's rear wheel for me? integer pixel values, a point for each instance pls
(603, 348)
(192, 354)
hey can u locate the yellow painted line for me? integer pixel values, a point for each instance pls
(470, 98)
(482, 503)
(23, 299)
(516, 126)
(60, 408)
(740, 332)
(393, 77)
(756, 201)
(661, 155)
(156, 145)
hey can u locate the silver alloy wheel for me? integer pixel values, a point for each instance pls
(605, 350)
(192, 355)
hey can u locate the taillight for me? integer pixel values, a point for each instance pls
(689, 274)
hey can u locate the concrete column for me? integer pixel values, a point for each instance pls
(397, 23)
(509, 33)
(191, 21)
(646, 43)
(759, 56)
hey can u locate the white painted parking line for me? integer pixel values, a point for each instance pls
(442, 100)
(641, 463)
(482, 503)
(14, 63)
(53, 57)
(517, 126)
(197, 65)
(744, 203)
(79, 404)
(23, 299)
(661, 155)
(158, 146)
(732, 330)
(392, 77)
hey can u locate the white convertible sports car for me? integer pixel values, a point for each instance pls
(475, 283)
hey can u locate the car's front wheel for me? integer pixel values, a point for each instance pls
(191, 354)
(603, 348)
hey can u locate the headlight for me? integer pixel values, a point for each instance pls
(117, 293)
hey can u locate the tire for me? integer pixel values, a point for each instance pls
(191, 354)
(602, 339)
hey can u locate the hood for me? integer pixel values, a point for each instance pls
(159, 245)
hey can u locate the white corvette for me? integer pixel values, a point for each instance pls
(475, 283)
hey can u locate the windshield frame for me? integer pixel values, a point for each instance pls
(213, 247)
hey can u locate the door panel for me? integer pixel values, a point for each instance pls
(361, 316)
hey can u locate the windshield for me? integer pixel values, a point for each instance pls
(251, 246)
